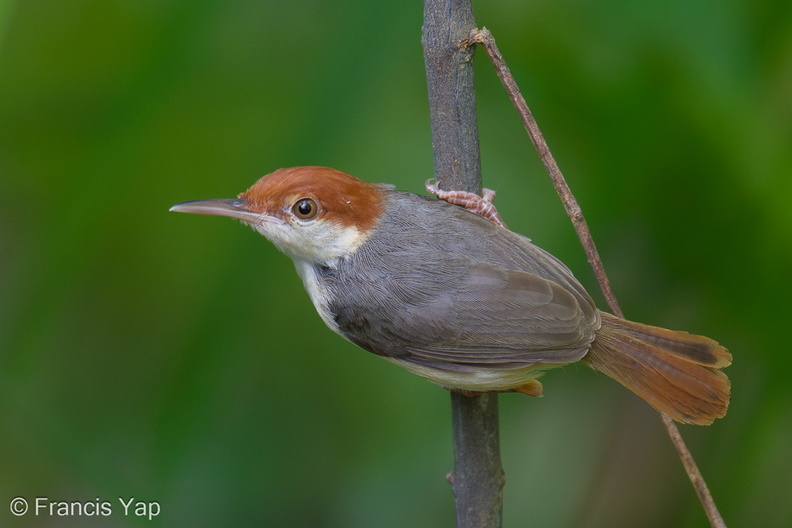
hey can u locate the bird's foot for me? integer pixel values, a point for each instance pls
(481, 205)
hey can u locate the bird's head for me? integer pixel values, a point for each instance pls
(313, 214)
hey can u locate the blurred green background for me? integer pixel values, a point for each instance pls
(176, 358)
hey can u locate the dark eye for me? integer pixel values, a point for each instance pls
(305, 209)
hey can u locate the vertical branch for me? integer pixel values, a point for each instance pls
(452, 102)
(477, 480)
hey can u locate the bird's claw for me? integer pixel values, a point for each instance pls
(481, 205)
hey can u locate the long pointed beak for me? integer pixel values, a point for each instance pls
(235, 208)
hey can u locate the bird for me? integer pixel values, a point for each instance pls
(459, 299)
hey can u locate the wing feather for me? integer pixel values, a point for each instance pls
(503, 318)
(497, 301)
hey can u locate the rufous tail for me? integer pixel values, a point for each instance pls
(675, 372)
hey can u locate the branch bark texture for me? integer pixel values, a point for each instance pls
(478, 479)
(452, 102)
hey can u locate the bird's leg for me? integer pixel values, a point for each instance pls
(481, 205)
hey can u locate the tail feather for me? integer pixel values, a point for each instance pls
(675, 372)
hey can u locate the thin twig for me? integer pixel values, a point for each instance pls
(703, 492)
(485, 38)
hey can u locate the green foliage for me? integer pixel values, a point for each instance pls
(176, 358)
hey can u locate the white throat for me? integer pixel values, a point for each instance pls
(318, 293)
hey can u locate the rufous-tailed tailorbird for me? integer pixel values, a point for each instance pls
(459, 299)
